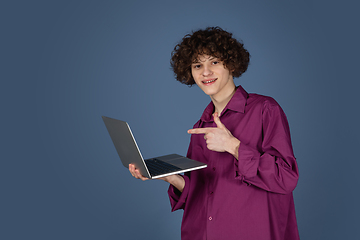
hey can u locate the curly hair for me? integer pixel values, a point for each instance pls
(212, 41)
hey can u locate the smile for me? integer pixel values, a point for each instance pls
(210, 81)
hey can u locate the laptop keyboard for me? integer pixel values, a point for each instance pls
(158, 167)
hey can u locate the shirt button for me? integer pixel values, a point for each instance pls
(214, 169)
(211, 193)
(210, 218)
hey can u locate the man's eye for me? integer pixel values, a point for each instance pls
(196, 66)
(215, 62)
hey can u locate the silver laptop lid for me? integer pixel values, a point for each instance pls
(125, 144)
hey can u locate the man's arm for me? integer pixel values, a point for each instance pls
(175, 180)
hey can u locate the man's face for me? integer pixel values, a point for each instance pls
(212, 77)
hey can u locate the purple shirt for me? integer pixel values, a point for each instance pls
(250, 198)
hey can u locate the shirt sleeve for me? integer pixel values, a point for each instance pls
(177, 198)
(273, 166)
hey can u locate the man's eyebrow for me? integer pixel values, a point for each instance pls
(210, 58)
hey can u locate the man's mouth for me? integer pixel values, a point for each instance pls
(209, 81)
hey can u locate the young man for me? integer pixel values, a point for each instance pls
(246, 190)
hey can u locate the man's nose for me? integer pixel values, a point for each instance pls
(207, 71)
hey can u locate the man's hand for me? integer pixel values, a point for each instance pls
(175, 180)
(219, 138)
(136, 173)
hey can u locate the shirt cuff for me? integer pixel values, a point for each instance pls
(247, 163)
(177, 198)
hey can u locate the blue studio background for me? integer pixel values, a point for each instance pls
(64, 64)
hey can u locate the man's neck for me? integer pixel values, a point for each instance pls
(220, 102)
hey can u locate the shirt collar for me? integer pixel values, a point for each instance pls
(237, 103)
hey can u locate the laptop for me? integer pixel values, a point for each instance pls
(129, 152)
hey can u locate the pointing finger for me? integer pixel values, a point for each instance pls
(199, 130)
